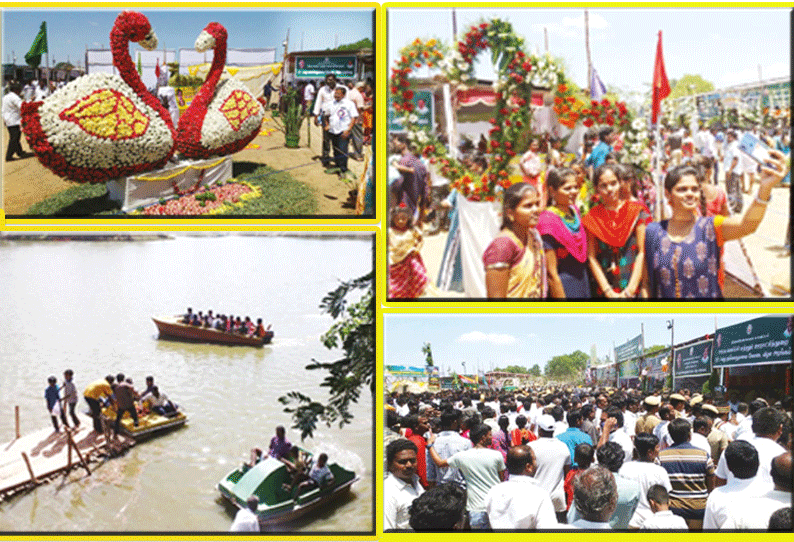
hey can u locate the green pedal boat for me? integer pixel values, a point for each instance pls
(276, 504)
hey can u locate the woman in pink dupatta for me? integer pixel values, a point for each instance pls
(564, 238)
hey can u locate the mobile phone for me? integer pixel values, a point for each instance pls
(755, 148)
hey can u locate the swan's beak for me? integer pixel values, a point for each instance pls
(149, 42)
(205, 41)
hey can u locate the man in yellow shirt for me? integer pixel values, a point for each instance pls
(93, 393)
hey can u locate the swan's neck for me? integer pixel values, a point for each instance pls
(204, 96)
(119, 44)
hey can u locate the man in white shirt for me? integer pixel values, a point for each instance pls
(342, 116)
(355, 96)
(647, 474)
(553, 463)
(401, 486)
(29, 92)
(308, 94)
(755, 512)
(325, 96)
(613, 432)
(767, 427)
(482, 468)
(742, 460)
(701, 427)
(246, 520)
(12, 116)
(42, 90)
(520, 503)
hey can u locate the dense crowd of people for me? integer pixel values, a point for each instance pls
(586, 458)
(581, 225)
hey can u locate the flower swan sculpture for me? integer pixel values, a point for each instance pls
(224, 116)
(103, 126)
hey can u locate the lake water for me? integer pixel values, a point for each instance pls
(88, 306)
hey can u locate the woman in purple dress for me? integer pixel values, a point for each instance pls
(683, 253)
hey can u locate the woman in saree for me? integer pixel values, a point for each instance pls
(615, 238)
(684, 252)
(515, 266)
(564, 238)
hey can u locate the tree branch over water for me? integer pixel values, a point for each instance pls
(353, 332)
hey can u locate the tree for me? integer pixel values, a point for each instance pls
(535, 370)
(428, 354)
(354, 332)
(366, 43)
(565, 366)
(688, 85)
(515, 369)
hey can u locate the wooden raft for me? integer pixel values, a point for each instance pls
(34, 459)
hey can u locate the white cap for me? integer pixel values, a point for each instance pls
(546, 422)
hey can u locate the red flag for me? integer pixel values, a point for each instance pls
(661, 86)
(157, 69)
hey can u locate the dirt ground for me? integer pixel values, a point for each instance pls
(26, 181)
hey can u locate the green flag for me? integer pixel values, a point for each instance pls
(39, 47)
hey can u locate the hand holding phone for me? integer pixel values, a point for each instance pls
(755, 148)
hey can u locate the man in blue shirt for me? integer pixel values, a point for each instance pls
(448, 443)
(606, 136)
(574, 435)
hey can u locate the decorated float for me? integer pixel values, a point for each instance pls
(526, 84)
(107, 128)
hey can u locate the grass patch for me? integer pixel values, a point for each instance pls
(282, 195)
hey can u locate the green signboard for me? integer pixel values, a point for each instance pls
(423, 110)
(760, 341)
(317, 67)
(693, 359)
(628, 350)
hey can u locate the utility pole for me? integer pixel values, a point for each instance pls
(454, 24)
(587, 48)
(546, 38)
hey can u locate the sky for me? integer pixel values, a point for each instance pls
(724, 45)
(498, 340)
(69, 33)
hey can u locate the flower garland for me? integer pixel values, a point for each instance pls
(103, 126)
(415, 55)
(218, 199)
(518, 74)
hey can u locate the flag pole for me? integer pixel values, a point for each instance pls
(587, 48)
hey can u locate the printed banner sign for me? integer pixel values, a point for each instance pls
(628, 350)
(760, 341)
(423, 110)
(693, 359)
(311, 67)
(657, 363)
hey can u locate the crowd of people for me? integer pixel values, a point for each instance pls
(117, 392)
(582, 225)
(222, 322)
(586, 458)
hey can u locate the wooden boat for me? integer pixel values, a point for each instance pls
(276, 504)
(172, 326)
(148, 424)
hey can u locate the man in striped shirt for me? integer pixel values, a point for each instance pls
(691, 472)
